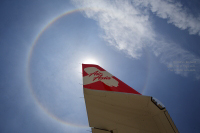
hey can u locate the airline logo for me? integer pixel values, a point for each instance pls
(95, 75)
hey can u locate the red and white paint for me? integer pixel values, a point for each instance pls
(96, 78)
(95, 75)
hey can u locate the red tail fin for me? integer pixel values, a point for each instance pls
(95, 77)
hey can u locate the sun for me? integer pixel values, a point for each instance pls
(87, 61)
(90, 61)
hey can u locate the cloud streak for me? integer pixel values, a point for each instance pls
(174, 12)
(127, 27)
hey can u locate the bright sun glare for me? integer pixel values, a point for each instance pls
(87, 61)
(90, 61)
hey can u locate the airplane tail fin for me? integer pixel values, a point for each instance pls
(95, 77)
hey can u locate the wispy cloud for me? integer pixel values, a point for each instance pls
(127, 27)
(174, 12)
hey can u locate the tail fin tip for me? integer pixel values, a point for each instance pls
(97, 78)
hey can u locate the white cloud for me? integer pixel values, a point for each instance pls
(128, 28)
(125, 26)
(174, 12)
(177, 59)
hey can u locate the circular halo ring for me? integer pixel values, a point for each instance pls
(28, 68)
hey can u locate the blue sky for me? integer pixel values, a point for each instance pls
(151, 45)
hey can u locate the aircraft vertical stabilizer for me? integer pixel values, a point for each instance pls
(114, 107)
